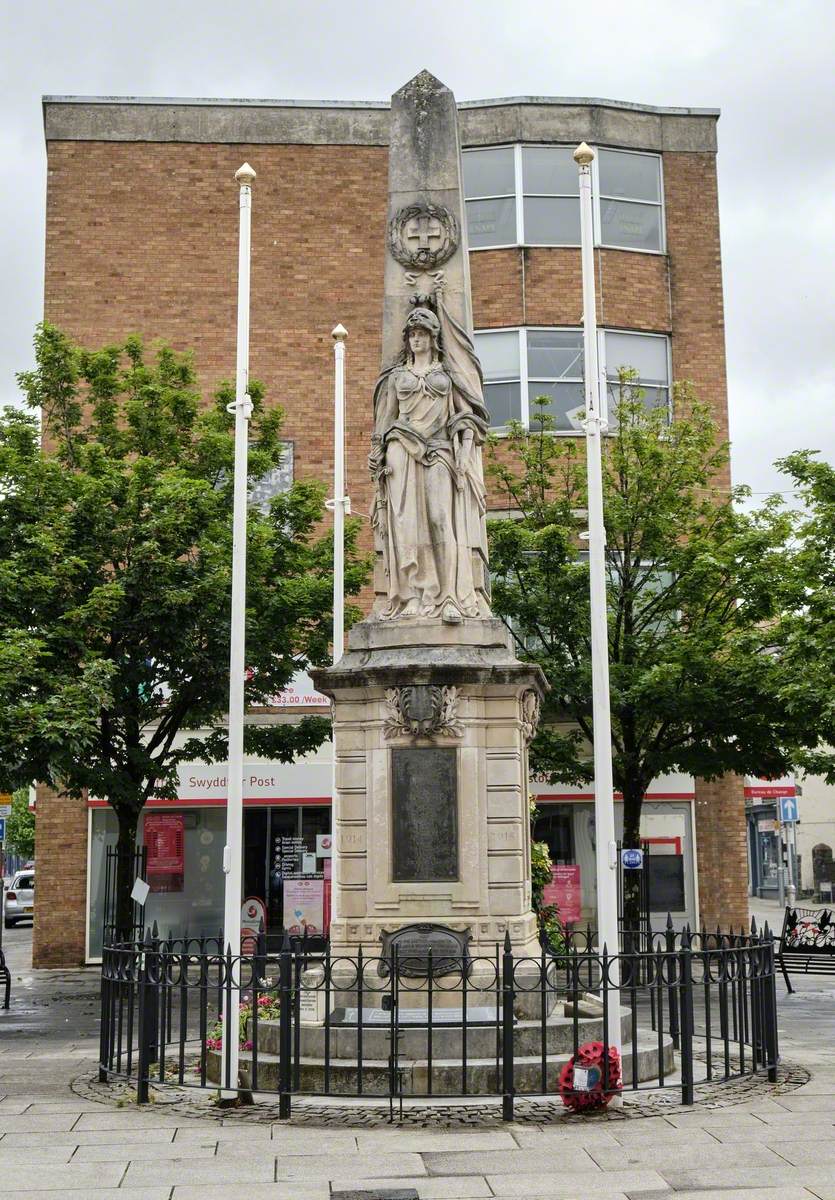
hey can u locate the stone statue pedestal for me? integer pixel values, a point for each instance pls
(431, 811)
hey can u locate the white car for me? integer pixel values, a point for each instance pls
(19, 900)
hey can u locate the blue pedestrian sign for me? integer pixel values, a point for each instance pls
(788, 809)
(632, 860)
(2, 829)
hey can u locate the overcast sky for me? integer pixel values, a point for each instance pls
(767, 65)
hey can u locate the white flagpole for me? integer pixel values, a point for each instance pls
(232, 852)
(604, 807)
(340, 505)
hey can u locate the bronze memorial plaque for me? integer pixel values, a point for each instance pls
(424, 789)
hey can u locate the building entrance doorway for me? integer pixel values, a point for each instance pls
(284, 845)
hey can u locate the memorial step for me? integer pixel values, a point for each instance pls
(483, 1074)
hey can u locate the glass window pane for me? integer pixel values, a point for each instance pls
(555, 354)
(491, 222)
(498, 354)
(633, 226)
(632, 176)
(503, 402)
(552, 222)
(549, 170)
(567, 405)
(489, 172)
(646, 355)
(653, 397)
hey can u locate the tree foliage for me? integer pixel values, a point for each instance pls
(698, 590)
(20, 826)
(115, 576)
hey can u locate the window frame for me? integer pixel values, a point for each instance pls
(518, 198)
(597, 220)
(524, 379)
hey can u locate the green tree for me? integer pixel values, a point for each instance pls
(697, 587)
(115, 565)
(20, 826)
(807, 630)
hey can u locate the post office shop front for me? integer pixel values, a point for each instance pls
(287, 823)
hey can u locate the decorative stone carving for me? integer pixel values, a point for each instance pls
(429, 503)
(529, 706)
(423, 236)
(422, 711)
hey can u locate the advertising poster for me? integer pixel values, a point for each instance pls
(565, 891)
(304, 906)
(165, 844)
(253, 913)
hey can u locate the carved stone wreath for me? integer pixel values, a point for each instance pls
(422, 711)
(529, 714)
(423, 236)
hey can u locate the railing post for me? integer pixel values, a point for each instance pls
(285, 1031)
(507, 1030)
(672, 998)
(685, 983)
(770, 1002)
(146, 1003)
(104, 1028)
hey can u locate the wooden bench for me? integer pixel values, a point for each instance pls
(807, 943)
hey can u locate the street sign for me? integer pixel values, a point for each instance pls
(2, 829)
(788, 809)
(5, 810)
(632, 860)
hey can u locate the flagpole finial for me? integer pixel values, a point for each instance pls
(245, 175)
(339, 333)
(583, 154)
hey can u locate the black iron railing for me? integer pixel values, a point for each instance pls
(695, 1008)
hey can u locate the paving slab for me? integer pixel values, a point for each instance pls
(680, 1155)
(170, 1151)
(26, 1123)
(437, 1187)
(577, 1135)
(729, 1177)
(800, 1153)
(254, 1191)
(107, 1193)
(80, 1176)
(244, 1135)
(767, 1193)
(347, 1167)
(499, 1162)
(173, 1171)
(428, 1140)
(571, 1185)
(87, 1137)
(13, 1156)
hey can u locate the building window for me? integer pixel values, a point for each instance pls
(529, 196)
(521, 364)
(629, 200)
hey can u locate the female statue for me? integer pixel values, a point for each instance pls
(429, 423)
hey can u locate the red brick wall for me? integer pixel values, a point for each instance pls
(722, 852)
(61, 898)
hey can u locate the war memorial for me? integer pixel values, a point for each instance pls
(436, 979)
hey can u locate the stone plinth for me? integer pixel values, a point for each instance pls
(457, 697)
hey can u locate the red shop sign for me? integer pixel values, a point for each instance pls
(565, 891)
(165, 841)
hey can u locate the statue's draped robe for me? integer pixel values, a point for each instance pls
(430, 516)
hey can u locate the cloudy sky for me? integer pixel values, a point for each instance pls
(767, 65)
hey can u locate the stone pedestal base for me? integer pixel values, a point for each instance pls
(431, 812)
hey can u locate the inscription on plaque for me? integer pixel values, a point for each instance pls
(413, 944)
(424, 791)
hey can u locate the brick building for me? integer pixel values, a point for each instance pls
(141, 235)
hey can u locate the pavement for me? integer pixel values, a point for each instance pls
(61, 1143)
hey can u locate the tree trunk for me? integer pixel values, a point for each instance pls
(633, 798)
(128, 818)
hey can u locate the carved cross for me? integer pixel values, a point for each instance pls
(423, 229)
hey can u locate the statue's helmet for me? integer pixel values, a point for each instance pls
(423, 318)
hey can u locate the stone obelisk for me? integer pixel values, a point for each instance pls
(433, 713)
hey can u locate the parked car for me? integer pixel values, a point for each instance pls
(19, 901)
